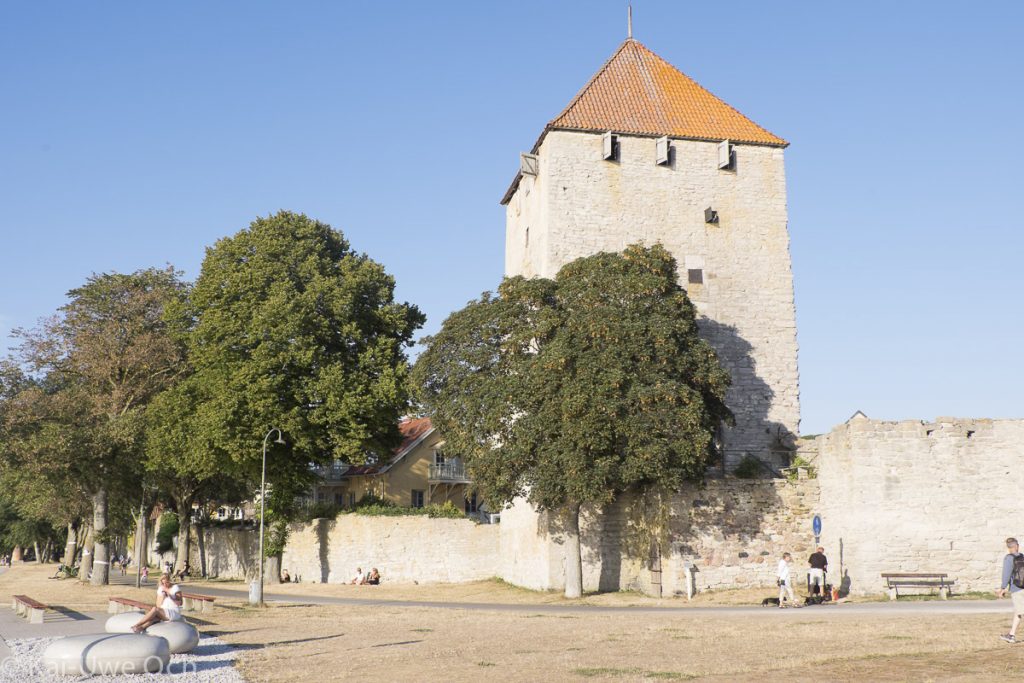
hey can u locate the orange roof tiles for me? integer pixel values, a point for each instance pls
(412, 429)
(636, 91)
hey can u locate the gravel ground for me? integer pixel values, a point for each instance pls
(211, 662)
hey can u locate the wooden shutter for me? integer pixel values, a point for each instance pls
(661, 150)
(724, 154)
(608, 146)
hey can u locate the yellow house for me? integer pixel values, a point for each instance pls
(419, 473)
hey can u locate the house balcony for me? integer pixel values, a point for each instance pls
(448, 473)
(331, 472)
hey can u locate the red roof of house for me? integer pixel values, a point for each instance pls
(412, 430)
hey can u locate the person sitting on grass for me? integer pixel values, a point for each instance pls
(167, 608)
(373, 578)
(286, 577)
(358, 579)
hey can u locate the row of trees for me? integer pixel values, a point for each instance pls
(144, 388)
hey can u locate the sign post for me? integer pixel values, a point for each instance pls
(816, 526)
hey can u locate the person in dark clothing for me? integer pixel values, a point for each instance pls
(816, 575)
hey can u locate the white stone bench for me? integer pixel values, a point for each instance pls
(32, 610)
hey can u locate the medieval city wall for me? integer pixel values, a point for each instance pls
(404, 549)
(731, 533)
(579, 204)
(915, 496)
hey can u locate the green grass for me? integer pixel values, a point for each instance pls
(423, 630)
(486, 664)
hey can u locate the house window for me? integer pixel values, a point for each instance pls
(352, 499)
(438, 458)
(471, 505)
(417, 498)
(695, 276)
(339, 498)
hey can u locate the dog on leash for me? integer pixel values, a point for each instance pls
(770, 602)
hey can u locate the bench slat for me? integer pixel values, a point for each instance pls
(29, 602)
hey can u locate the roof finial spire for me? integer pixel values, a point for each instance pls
(629, 21)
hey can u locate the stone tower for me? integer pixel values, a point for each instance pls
(645, 154)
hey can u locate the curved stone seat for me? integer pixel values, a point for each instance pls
(180, 635)
(123, 622)
(107, 653)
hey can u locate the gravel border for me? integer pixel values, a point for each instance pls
(211, 662)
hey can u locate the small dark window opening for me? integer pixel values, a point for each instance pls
(695, 276)
(970, 433)
(527, 235)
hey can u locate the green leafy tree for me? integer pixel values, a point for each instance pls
(573, 390)
(104, 356)
(295, 330)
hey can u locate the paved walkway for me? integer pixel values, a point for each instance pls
(875, 608)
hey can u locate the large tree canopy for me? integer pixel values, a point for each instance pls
(294, 330)
(97, 364)
(570, 391)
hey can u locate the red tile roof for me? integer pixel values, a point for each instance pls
(412, 430)
(637, 92)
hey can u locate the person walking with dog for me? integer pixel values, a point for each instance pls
(1013, 578)
(785, 581)
(816, 575)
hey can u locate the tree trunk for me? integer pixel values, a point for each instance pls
(87, 547)
(48, 550)
(573, 556)
(16, 555)
(140, 544)
(39, 555)
(101, 550)
(272, 572)
(201, 544)
(71, 546)
(184, 525)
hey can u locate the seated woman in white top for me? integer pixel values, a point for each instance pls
(167, 608)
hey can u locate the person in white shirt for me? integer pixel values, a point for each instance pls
(358, 578)
(167, 608)
(785, 582)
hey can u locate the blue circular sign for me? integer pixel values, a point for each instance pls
(816, 525)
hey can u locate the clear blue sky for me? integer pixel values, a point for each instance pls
(136, 134)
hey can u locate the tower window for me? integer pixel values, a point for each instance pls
(610, 147)
(695, 276)
(726, 156)
(661, 151)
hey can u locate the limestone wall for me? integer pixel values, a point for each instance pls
(921, 497)
(579, 204)
(404, 549)
(732, 531)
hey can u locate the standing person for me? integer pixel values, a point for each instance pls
(816, 575)
(167, 608)
(785, 582)
(1013, 578)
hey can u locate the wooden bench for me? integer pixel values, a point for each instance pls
(118, 605)
(895, 581)
(190, 600)
(29, 608)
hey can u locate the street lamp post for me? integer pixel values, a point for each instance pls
(263, 496)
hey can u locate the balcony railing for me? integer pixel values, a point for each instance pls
(449, 471)
(331, 472)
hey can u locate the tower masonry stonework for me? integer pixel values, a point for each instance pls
(645, 155)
